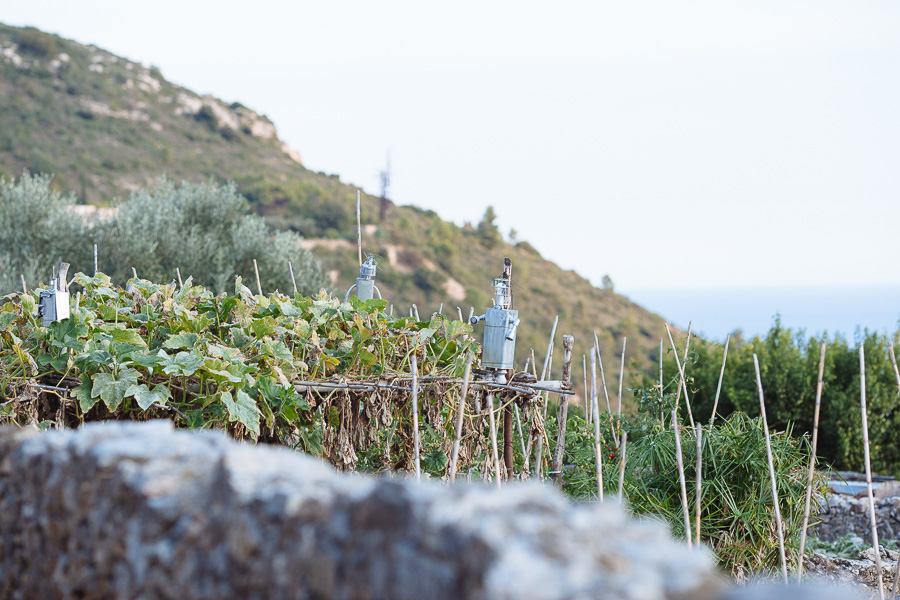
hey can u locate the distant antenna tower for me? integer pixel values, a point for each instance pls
(386, 204)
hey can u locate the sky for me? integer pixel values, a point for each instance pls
(686, 149)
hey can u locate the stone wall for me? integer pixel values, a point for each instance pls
(843, 515)
(142, 511)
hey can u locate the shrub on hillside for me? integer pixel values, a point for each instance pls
(202, 229)
(36, 231)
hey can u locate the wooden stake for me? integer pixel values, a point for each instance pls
(679, 461)
(493, 423)
(441, 309)
(621, 376)
(865, 427)
(722, 375)
(459, 417)
(358, 230)
(415, 310)
(598, 450)
(612, 428)
(587, 413)
(780, 527)
(459, 312)
(95, 260)
(562, 413)
(812, 460)
(897, 376)
(681, 382)
(256, 271)
(660, 368)
(699, 491)
(178, 273)
(24, 287)
(522, 442)
(77, 302)
(293, 281)
(415, 414)
(661, 393)
(134, 272)
(540, 439)
(622, 465)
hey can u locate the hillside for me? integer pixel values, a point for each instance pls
(106, 126)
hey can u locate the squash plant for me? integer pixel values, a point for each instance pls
(227, 361)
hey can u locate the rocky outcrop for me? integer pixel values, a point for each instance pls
(142, 511)
(847, 515)
(861, 573)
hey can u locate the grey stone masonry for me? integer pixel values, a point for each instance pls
(843, 514)
(142, 511)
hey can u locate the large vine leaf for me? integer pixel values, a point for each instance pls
(146, 397)
(242, 409)
(112, 389)
(83, 393)
(185, 339)
(128, 336)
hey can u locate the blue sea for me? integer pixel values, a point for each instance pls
(835, 310)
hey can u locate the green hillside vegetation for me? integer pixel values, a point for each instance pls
(106, 127)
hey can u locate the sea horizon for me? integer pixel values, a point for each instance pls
(836, 310)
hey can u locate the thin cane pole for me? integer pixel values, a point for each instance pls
(679, 461)
(812, 462)
(415, 414)
(721, 375)
(459, 417)
(598, 451)
(699, 431)
(897, 376)
(865, 426)
(780, 528)
(493, 422)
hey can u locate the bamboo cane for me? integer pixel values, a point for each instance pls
(95, 260)
(587, 413)
(531, 436)
(598, 451)
(415, 310)
(775, 502)
(522, 442)
(459, 312)
(459, 417)
(621, 376)
(865, 428)
(358, 230)
(563, 411)
(681, 381)
(415, 414)
(134, 272)
(662, 415)
(679, 461)
(897, 376)
(721, 376)
(622, 451)
(547, 358)
(24, 287)
(293, 281)
(612, 428)
(812, 461)
(699, 491)
(494, 453)
(180, 282)
(256, 271)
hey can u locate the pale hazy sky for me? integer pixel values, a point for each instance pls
(669, 144)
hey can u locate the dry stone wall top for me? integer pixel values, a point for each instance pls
(142, 511)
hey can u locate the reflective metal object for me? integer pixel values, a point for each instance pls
(500, 326)
(54, 303)
(365, 283)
